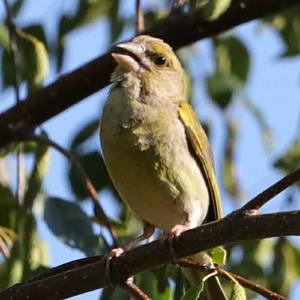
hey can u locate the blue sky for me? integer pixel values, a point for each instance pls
(273, 86)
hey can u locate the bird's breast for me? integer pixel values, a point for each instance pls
(147, 156)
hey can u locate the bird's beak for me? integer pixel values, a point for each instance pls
(130, 56)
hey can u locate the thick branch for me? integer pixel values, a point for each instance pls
(178, 29)
(232, 229)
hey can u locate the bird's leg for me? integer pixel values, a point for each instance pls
(116, 252)
(172, 237)
(147, 233)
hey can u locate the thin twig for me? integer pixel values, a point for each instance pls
(188, 263)
(257, 202)
(99, 212)
(253, 286)
(139, 19)
(20, 176)
(135, 291)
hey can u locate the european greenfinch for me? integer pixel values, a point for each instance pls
(155, 150)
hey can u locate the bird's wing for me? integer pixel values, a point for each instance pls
(200, 146)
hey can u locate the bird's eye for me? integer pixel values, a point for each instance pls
(159, 60)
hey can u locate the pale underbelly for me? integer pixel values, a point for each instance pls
(153, 198)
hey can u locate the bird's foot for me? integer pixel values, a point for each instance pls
(116, 252)
(172, 237)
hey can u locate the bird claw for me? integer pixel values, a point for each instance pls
(172, 237)
(116, 252)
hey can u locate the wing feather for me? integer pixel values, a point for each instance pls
(201, 147)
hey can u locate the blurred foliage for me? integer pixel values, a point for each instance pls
(287, 25)
(23, 253)
(211, 10)
(230, 177)
(85, 13)
(32, 58)
(72, 225)
(290, 160)
(93, 164)
(232, 64)
(238, 292)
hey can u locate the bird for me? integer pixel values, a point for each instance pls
(155, 150)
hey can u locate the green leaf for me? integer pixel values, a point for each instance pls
(291, 159)
(85, 133)
(8, 207)
(221, 86)
(34, 63)
(151, 17)
(211, 9)
(179, 287)
(247, 263)
(37, 31)
(114, 293)
(4, 37)
(238, 292)
(264, 252)
(155, 283)
(230, 178)
(37, 59)
(194, 292)
(35, 181)
(232, 68)
(95, 169)
(11, 273)
(85, 13)
(71, 224)
(284, 267)
(232, 57)
(218, 255)
(288, 26)
(260, 119)
(129, 226)
(38, 255)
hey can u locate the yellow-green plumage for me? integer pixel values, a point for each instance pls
(150, 164)
(155, 150)
(200, 145)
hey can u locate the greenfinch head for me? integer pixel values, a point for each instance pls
(153, 62)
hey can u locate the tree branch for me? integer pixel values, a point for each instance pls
(249, 284)
(234, 228)
(268, 294)
(139, 17)
(98, 210)
(178, 30)
(135, 291)
(261, 199)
